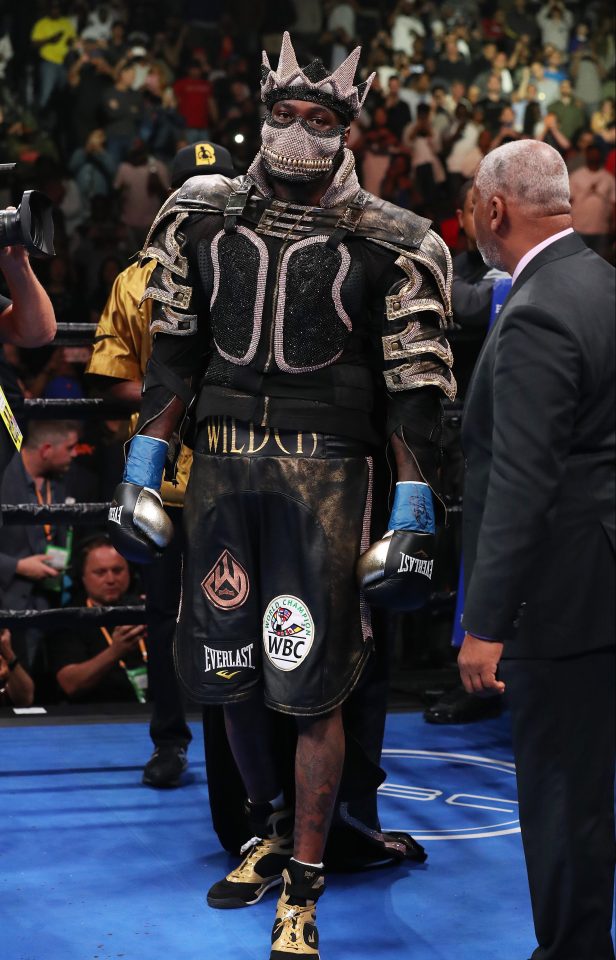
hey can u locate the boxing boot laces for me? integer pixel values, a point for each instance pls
(295, 933)
(266, 856)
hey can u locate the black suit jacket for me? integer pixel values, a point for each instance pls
(539, 441)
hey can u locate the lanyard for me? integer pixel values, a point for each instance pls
(108, 638)
(46, 526)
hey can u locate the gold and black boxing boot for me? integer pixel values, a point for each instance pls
(267, 854)
(295, 931)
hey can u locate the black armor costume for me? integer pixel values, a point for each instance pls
(299, 338)
(287, 318)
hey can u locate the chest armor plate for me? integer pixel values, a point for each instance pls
(316, 291)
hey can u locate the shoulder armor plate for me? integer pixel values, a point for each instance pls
(384, 221)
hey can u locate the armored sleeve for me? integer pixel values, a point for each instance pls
(417, 357)
(178, 314)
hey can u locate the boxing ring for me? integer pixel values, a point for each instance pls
(96, 866)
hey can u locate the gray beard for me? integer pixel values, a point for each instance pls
(491, 254)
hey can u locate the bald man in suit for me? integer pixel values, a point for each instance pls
(539, 539)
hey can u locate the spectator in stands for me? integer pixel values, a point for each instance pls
(501, 70)
(461, 147)
(398, 113)
(121, 109)
(550, 132)
(555, 23)
(587, 73)
(99, 23)
(143, 182)
(32, 557)
(493, 104)
(340, 29)
(93, 168)
(576, 155)
(520, 23)
(568, 110)
(522, 106)
(506, 132)
(452, 65)
(602, 123)
(94, 664)
(195, 102)
(168, 44)
(16, 686)
(406, 26)
(553, 63)
(51, 36)
(483, 65)
(116, 48)
(379, 144)
(89, 76)
(161, 124)
(593, 198)
(547, 88)
(423, 143)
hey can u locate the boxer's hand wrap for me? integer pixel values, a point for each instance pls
(138, 525)
(396, 571)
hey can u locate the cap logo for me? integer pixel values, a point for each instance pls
(204, 154)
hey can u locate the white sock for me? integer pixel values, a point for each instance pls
(317, 866)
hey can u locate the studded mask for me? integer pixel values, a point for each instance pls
(297, 153)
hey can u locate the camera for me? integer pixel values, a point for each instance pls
(30, 225)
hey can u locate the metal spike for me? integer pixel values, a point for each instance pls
(343, 77)
(287, 61)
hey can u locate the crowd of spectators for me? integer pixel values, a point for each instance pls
(97, 97)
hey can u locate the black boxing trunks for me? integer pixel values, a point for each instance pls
(277, 520)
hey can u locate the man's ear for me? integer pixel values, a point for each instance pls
(347, 134)
(498, 213)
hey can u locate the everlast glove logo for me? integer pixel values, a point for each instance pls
(226, 585)
(219, 660)
(288, 632)
(115, 514)
(410, 564)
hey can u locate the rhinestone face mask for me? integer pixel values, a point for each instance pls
(295, 152)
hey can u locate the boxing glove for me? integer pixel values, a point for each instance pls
(138, 525)
(396, 571)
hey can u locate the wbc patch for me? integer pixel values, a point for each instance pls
(288, 632)
(226, 585)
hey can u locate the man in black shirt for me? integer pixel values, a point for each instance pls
(492, 104)
(93, 664)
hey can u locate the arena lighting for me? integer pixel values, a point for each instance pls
(239, 138)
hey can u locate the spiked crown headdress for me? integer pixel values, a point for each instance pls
(314, 83)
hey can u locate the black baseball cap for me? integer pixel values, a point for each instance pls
(201, 159)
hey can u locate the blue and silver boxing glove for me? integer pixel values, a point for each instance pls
(396, 571)
(138, 525)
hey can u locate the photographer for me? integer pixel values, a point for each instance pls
(26, 320)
